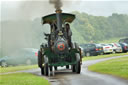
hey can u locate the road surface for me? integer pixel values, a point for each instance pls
(66, 77)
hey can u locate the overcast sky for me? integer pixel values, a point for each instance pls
(20, 9)
(31, 9)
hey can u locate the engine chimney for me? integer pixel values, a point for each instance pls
(58, 11)
(59, 19)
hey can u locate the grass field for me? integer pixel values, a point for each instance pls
(103, 56)
(16, 68)
(22, 79)
(117, 67)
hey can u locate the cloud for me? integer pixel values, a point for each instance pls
(30, 9)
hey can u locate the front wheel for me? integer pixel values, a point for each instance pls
(78, 67)
(42, 70)
(46, 70)
(73, 68)
(55, 68)
(67, 66)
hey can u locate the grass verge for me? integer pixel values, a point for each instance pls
(16, 68)
(103, 56)
(22, 79)
(117, 67)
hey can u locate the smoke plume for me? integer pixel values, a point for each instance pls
(57, 4)
(21, 23)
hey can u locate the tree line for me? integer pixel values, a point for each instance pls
(89, 28)
(85, 28)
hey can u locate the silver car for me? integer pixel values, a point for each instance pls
(116, 47)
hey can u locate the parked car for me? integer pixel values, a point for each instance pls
(92, 49)
(3, 61)
(125, 40)
(124, 47)
(25, 56)
(116, 47)
(107, 48)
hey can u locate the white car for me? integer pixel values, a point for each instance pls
(116, 47)
(107, 48)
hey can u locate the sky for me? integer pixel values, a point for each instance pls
(31, 9)
(20, 9)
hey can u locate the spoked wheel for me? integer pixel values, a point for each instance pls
(40, 62)
(40, 59)
(73, 68)
(55, 68)
(49, 70)
(67, 66)
(42, 70)
(78, 65)
(46, 70)
(52, 70)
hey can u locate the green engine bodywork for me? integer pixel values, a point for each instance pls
(59, 60)
(53, 58)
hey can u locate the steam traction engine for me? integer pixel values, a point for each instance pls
(59, 51)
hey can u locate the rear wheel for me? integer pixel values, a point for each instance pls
(40, 59)
(78, 65)
(40, 62)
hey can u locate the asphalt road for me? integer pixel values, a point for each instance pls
(66, 77)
